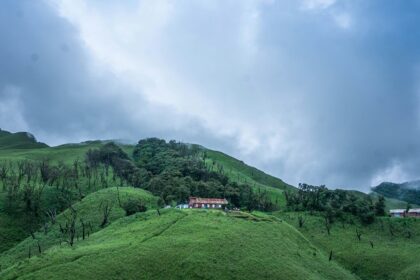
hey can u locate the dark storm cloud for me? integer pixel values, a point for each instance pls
(320, 91)
(48, 87)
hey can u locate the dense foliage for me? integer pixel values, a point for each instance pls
(334, 203)
(175, 171)
(409, 192)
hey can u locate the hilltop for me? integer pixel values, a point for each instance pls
(96, 209)
(19, 140)
(189, 244)
(408, 191)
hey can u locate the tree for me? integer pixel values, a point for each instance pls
(301, 221)
(133, 206)
(106, 211)
(380, 206)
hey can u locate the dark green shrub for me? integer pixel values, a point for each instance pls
(133, 206)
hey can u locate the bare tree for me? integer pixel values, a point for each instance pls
(69, 231)
(359, 234)
(52, 215)
(39, 247)
(106, 210)
(301, 221)
(327, 224)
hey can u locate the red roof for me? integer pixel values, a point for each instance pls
(208, 200)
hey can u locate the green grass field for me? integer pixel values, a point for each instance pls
(190, 244)
(240, 172)
(393, 256)
(196, 244)
(88, 210)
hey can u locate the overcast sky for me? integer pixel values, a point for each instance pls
(316, 91)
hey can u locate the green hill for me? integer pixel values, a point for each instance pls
(240, 172)
(396, 244)
(87, 211)
(409, 191)
(19, 140)
(189, 244)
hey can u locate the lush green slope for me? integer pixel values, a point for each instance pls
(394, 255)
(89, 210)
(19, 140)
(393, 203)
(409, 191)
(65, 153)
(189, 244)
(240, 172)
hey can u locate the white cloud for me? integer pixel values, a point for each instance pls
(134, 43)
(317, 4)
(393, 173)
(275, 85)
(343, 20)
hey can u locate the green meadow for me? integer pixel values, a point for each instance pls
(95, 236)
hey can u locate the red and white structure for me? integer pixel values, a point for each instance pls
(211, 203)
(400, 213)
(414, 213)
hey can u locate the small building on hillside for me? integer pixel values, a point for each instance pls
(398, 213)
(182, 206)
(414, 213)
(216, 203)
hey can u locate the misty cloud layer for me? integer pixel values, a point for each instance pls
(317, 91)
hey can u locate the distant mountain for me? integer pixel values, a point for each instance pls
(19, 140)
(408, 191)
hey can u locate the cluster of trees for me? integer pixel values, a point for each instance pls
(175, 171)
(409, 191)
(37, 190)
(335, 203)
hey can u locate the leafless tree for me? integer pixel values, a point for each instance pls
(301, 221)
(327, 224)
(359, 234)
(106, 210)
(52, 215)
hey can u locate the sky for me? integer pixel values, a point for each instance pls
(315, 91)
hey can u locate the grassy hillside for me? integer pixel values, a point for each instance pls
(409, 191)
(396, 244)
(66, 153)
(393, 203)
(89, 210)
(19, 140)
(240, 172)
(189, 244)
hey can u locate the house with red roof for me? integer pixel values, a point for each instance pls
(216, 203)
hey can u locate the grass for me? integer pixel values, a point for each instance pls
(240, 172)
(65, 153)
(392, 256)
(393, 203)
(189, 244)
(89, 210)
(19, 140)
(196, 244)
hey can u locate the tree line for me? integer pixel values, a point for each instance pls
(175, 171)
(335, 203)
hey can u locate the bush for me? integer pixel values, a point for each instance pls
(133, 206)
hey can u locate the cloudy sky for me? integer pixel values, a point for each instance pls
(316, 91)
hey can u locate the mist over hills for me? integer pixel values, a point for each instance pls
(19, 140)
(407, 191)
